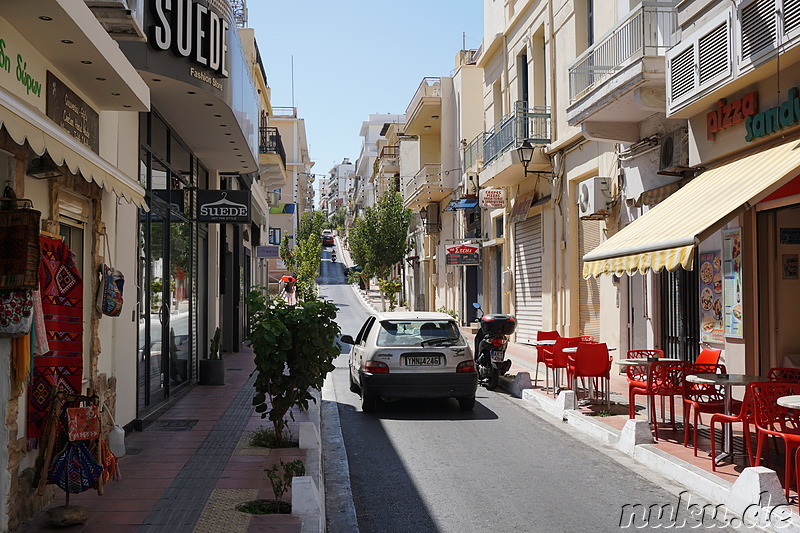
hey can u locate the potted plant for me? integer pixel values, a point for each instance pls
(212, 369)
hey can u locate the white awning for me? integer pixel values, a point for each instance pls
(23, 123)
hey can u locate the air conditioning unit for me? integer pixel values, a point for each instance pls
(674, 158)
(593, 197)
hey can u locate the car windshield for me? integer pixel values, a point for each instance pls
(419, 333)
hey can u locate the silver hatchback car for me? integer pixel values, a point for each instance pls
(411, 355)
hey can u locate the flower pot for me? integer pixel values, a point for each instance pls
(212, 372)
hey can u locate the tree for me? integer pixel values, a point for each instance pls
(294, 348)
(378, 239)
(303, 261)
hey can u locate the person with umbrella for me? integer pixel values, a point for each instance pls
(289, 288)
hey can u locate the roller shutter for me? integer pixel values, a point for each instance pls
(528, 278)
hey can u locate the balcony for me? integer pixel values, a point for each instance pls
(425, 108)
(621, 79)
(426, 186)
(271, 157)
(496, 148)
(388, 161)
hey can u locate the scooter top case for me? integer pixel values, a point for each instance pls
(497, 324)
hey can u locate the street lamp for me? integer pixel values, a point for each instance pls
(525, 153)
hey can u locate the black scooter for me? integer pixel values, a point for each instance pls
(491, 342)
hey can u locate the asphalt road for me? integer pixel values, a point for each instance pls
(425, 466)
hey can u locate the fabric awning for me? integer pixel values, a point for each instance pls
(657, 195)
(22, 123)
(665, 236)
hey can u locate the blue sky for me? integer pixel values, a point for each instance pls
(356, 57)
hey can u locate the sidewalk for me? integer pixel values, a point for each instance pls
(188, 469)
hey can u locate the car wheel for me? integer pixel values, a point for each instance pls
(467, 404)
(367, 402)
(353, 385)
(493, 379)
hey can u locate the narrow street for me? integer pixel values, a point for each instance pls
(425, 466)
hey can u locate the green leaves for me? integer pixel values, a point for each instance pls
(294, 351)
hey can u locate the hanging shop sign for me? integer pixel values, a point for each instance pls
(773, 119)
(191, 29)
(492, 198)
(711, 302)
(267, 252)
(223, 207)
(463, 255)
(72, 114)
(727, 114)
(732, 274)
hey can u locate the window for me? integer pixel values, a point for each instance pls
(274, 235)
(417, 332)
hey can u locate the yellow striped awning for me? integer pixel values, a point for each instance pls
(42, 134)
(665, 236)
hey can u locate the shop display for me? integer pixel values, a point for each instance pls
(62, 304)
(711, 304)
(732, 282)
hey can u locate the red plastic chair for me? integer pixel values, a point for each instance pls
(745, 416)
(543, 351)
(708, 357)
(592, 361)
(587, 338)
(664, 379)
(700, 398)
(791, 375)
(558, 359)
(637, 375)
(772, 419)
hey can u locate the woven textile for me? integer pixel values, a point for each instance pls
(61, 290)
(19, 249)
(74, 469)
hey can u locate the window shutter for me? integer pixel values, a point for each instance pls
(682, 74)
(758, 27)
(713, 53)
(590, 235)
(791, 15)
(528, 278)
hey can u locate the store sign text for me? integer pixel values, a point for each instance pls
(774, 118)
(31, 85)
(191, 30)
(727, 115)
(223, 206)
(72, 113)
(463, 255)
(492, 198)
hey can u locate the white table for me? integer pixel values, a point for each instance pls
(727, 381)
(792, 402)
(546, 342)
(574, 349)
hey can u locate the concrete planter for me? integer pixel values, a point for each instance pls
(212, 372)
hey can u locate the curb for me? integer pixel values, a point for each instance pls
(308, 492)
(703, 483)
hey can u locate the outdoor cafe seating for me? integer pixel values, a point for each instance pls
(544, 351)
(700, 398)
(775, 420)
(592, 360)
(558, 360)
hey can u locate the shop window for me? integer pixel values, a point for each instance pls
(498, 227)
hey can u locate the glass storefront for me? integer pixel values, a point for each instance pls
(167, 275)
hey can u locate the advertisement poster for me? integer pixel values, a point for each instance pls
(711, 304)
(492, 198)
(732, 275)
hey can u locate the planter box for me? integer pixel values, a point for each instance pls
(212, 372)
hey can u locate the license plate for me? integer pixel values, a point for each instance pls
(497, 355)
(422, 361)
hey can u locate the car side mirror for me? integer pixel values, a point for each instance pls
(347, 339)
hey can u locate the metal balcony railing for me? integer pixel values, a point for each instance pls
(390, 151)
(429, 87)
(284, 112)
(473, 153)
(269, 142)
(649, 30)
(531, 124)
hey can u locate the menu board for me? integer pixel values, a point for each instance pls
(732, 273)
(711, 304)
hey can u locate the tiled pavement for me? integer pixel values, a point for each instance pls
(187, 471)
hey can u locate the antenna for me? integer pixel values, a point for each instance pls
(292, 81)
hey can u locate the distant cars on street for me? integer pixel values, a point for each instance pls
(411, 355)
(327, 237)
